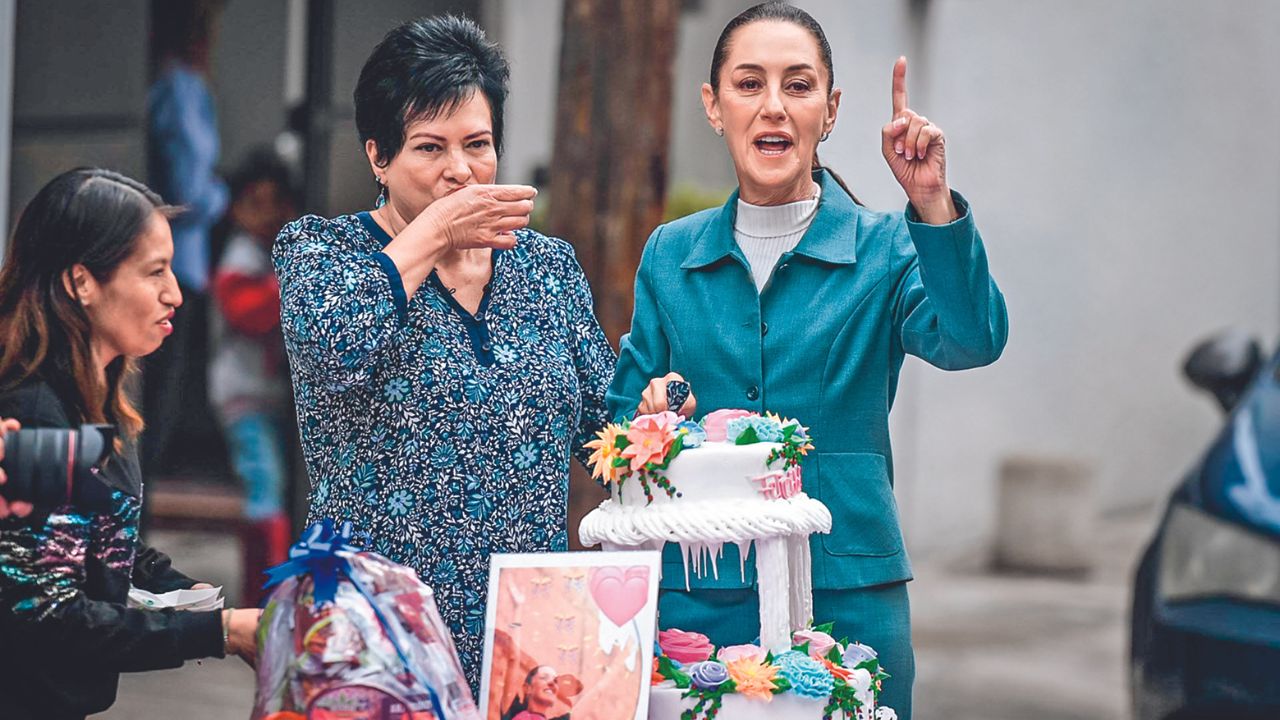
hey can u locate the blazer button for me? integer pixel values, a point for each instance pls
(753, 393)
(764, 328)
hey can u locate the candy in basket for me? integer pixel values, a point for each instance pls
(350, 635)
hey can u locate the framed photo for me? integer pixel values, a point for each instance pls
(570, 636)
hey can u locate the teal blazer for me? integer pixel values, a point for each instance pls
(823, 343)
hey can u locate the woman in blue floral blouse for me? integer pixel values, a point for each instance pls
(446, 359)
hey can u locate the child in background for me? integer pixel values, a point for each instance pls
(247, 377)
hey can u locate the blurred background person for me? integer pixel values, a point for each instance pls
(87, 289)
(183, 147)
(248, 371)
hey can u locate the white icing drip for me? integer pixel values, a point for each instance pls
(773, 579)
(800, 566)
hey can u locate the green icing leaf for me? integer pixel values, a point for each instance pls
(802, 648)
(826, 628)
(748, 437)
(621, 442)
(781, 685)
(834, 654)
(669, 671)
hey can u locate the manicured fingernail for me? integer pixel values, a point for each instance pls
(898, 148)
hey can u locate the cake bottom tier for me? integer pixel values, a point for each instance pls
(666, 703)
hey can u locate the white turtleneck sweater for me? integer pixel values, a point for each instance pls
(764, 232)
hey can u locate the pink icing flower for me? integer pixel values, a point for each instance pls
(650, 437)
(684, 647)
(737, 652)
(820, 643)
(716, 423)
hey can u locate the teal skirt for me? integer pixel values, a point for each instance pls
(878, 616)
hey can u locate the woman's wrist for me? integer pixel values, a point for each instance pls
(226, 632)
(416, 250)
(937, 209)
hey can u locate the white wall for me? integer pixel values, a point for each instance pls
(1123, 163)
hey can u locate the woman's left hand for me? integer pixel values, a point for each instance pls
(916, 151)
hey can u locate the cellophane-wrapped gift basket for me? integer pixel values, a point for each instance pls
(350, 635)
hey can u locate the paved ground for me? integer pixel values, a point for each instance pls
(988, 646)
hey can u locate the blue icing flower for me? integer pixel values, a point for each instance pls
(767, 429)
(708, 675)
(807, 676)
(694, 435)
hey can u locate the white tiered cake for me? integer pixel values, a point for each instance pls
(734, 478)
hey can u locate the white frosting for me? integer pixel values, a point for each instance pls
(666, 703)
(715, 472)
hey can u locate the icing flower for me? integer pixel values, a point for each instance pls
(737, 652)
(606, 451)
(708, 674)
(753, 678)
(836, 670)
(886, 713)
(856, 654)
(820, 643)
(766, 429)
(656, 677)
(860, 681)
(715, 423)
(807, 676)
(650, 437)
(685, 647)
(693, 434)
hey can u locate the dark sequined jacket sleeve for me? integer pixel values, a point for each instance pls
(66, 577)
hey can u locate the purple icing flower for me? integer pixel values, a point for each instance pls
(708, 675)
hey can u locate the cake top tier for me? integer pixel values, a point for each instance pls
(640, 451)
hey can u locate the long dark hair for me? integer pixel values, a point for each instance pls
(89, 217)
(779, 12)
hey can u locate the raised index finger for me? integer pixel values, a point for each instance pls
(900, 85)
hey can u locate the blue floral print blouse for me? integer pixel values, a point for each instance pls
(440, 451)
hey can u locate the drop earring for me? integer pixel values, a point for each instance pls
(382, 194)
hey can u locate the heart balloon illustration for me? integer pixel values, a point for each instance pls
(620, 592)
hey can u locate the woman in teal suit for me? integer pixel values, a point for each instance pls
(793, 298)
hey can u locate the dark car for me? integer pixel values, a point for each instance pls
(1206, 596)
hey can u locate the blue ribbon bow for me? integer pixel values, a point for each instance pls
(324, 554)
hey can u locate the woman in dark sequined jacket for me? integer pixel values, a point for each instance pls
(86, 289)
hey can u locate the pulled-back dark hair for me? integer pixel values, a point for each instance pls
(778, 11)
(423, 69)
(89, 217)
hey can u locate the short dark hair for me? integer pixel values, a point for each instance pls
(425, 68)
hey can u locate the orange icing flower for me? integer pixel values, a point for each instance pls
(606, 449)
(753, 678)
(656, 678)
(837, 670)
(650, 437)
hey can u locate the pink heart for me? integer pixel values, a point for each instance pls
(620, 593)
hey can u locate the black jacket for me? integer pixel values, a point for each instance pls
(65, 631)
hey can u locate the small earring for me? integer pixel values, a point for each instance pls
(824, 137)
